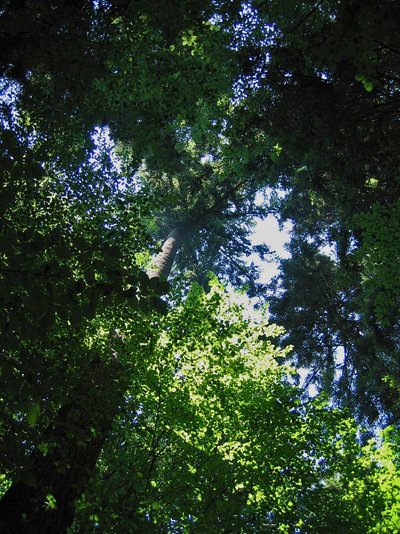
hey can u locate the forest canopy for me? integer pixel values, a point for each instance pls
(140, 389)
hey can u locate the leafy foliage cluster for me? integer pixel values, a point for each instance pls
(215, 438)
(124, 120)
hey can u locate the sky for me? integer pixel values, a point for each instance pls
(267, 232)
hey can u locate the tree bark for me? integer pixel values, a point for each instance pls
(163, 262)
(74, 443)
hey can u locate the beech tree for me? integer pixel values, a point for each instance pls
(213, 437)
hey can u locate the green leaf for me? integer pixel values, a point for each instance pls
(51, 502)
(368, 86)
(33, 413)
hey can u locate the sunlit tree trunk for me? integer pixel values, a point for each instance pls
(163, 262)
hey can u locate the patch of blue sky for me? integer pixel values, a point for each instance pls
(103, 143)
(105, 147)
(252, 35)
(9, 91)
(268, 231)
(271, 232)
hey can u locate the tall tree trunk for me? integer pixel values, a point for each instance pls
(43, 502)
(163, 262)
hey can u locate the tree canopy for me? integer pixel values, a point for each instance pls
(137, 141)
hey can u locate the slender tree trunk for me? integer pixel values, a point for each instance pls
(44, 503)
(163, 262)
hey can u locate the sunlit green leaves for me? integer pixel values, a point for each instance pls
(219, 436)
